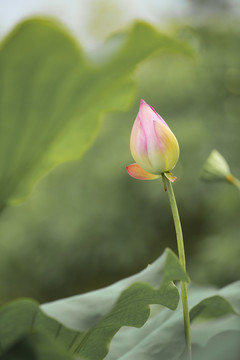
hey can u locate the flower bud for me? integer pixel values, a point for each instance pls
(215, 168)
(153, 145)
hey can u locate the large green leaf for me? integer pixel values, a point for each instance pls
(83, 311)
(85, 325)
(163, 334)
(52, 96)
(20, 319)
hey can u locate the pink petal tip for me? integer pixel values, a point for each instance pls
(137, 172)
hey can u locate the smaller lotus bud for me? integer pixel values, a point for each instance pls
(215, 168)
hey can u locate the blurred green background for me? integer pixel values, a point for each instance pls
(88, 224)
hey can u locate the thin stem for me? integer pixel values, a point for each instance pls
(181, 254)
(236, 182)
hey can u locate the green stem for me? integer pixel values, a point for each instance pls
(236, 182)
(181, 254)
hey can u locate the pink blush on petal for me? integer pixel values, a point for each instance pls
(159, 117)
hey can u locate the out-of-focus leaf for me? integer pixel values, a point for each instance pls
(37, 346)
(52, 97)
(26, 331)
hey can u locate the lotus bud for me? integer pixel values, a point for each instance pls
(153, 146)
(215, 168)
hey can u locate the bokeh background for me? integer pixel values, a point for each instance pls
(88, 224)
